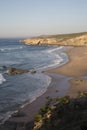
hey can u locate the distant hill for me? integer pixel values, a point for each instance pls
(74, 39)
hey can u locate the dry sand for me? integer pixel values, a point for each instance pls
(77, 65)
(76, 68)
(68, 82)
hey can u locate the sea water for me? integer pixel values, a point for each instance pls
(18, 89)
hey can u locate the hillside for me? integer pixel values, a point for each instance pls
(63, 114)
(75, 39)
(57, 114)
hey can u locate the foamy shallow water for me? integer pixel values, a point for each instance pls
(30, 86)
(2, 79)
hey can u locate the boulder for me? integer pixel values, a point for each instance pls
(33, 71)
(3, 67)
(14, 71)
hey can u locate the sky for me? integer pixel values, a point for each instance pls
(25, 18)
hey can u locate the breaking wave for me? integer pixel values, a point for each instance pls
(2, 79)
(11, 48)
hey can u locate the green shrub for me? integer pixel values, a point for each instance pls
(80, 94)
(38, 117)
(44, 109)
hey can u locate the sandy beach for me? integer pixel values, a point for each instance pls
(68, 79)
(76, 68)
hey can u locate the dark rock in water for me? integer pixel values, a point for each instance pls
(14, 71)
(3, 67)
(33, 71)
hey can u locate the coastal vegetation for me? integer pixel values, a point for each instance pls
(63, 114)
(74, 39)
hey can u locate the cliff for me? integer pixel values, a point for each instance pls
(75, 39)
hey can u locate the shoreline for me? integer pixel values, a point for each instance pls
(62, 49)
(61, 77)
(76, 68)
(51, 92)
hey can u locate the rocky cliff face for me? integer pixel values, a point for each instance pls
(78, 39)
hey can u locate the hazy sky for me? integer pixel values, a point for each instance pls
(40, 17)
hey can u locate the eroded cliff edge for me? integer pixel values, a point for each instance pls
(75, 39)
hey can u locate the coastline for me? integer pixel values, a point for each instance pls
(62, 76)
(76, 68)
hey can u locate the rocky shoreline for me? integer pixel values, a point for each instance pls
(15, 71)
(76, 39)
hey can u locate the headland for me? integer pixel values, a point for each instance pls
(74, 39)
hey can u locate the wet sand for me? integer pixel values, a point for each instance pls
(77, 65)
(66, 80)
(76, 68)
(56, 89)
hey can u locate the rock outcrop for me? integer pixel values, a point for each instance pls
(14, 71)
(77, 39)
(3, 67)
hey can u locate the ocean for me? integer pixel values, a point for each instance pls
(17, 90)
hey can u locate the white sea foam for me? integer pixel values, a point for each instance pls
(11, 48)
(54, 49)
(6, 116)
(43, 81)
(2, 79)
(57, 59)
(2, 49)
